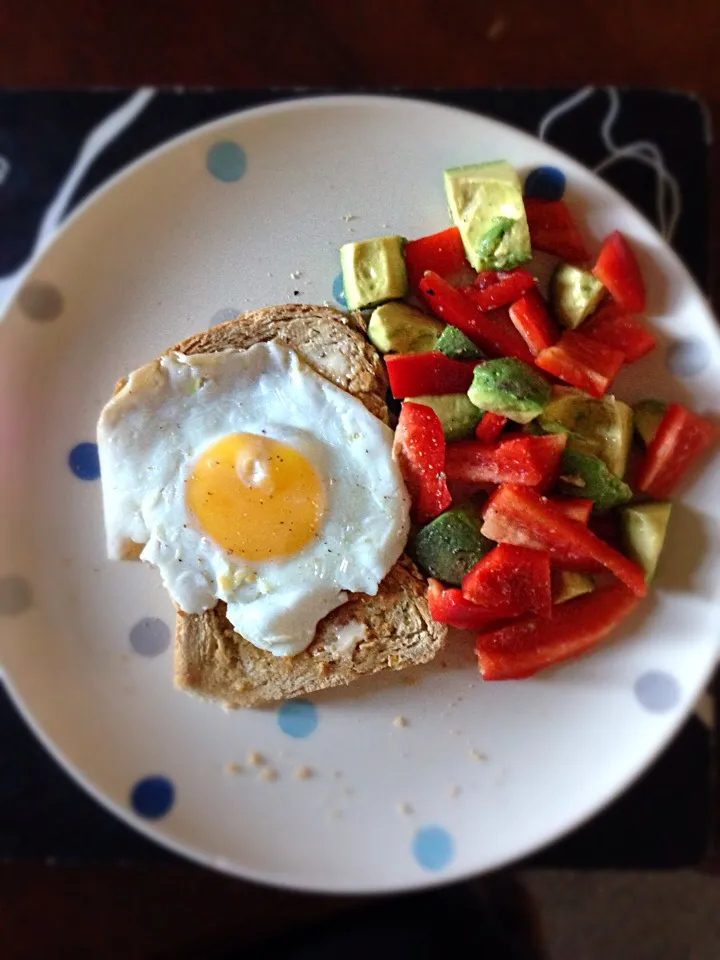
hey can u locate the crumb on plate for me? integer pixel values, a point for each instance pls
(268, 774)
(255, 759)
(400, 721)
(232, 767)
(303, 773)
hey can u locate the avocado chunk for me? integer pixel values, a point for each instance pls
(509, 387)
(373, 271)
(602, 427)
(453, 343)
(644, 526)
(397, 328)
(568, 584)
(486, 204)
(647, 416)
(458, 415)
(584, 475)
(574, 294)
(451, 544)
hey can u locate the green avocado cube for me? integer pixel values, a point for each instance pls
(602, 427)
(450, 545)
(584, 475)
(510, 388)
(647, 416)
(486, 204)
(458, 414)
(453, 343)
(373, 271)
(574, 294)
(398, 328)
(644, 527)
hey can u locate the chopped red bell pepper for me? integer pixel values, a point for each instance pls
(522, 648)
(490, 427)
(441, 252)
(582, 362)
(533, 322)
(448, 605)
(510, 581)
(618, 270)
(614, 327)
(492, 332)
(576, 508)
(528, 460)
(497, 288)
(553, 230)
(419, 448)
(521, 516)
(414, 374)
(679, 439)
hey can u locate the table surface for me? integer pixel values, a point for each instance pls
(164, 910)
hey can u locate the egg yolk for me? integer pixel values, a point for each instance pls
(256, 497)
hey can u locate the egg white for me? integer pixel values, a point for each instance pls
(168, 412)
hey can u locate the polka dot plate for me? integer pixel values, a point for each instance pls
(395, 782)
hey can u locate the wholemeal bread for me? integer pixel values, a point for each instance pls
(392, 629)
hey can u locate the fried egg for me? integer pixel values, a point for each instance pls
(244, 476)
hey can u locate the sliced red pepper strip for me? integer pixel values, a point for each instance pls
(490, 427)
(522, 648)
(441, 252)
(614, 327)
(553, 230)
(419, 448)
(528, 460)
(582, 362)
(447, 605)
(531, 319)
(498, 288)
(618, 270)
(521, 516)
(509, 581)
(492, 332)
(415, 374)
(576, 508)
(679, 440)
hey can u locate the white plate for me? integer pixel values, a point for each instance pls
(488, 772)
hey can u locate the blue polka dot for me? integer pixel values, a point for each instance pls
(298, 718)
(433, 847)
(152, 797)
(150, 637)
(226, 161)
(688, 357)
(657, 691)
(547, 183)
(338, 290)
(84, 462)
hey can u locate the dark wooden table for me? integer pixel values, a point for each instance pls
(162, 911)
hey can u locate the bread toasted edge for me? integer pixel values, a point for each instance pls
(367, 634)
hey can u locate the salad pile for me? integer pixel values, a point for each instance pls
(540, 501)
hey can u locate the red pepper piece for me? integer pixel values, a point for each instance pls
(490, 427)
(553, 230)
(441, 252)
(447, 605)
(497, 288)
(509, 581)
(582, 362)
(414, 374)
(521, 516)
(618, 270)
(679, 440)
(614, 327)
(531, 319)
(522, 648)
(528, 460)
(419, 448)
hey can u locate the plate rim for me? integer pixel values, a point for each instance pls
(153, 831)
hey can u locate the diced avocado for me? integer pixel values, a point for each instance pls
(574, 294)
(453, 343)
(584, 475)
(647, 416)
(373, 271)
(451, 544)
(486, 204)
(509, 387)
(644, 527)
(602, 427)
(458, 415)
(397, 328)
(568, 584)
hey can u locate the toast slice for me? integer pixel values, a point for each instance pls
(392, 630)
